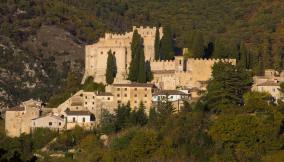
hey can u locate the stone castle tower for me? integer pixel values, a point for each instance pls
(120, 44)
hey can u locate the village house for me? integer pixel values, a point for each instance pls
(18, 119)
(48, 121)
(176, 97)
(84, 119)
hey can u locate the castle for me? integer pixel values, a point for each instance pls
(120, 45)
(179, 72)
(180, 79)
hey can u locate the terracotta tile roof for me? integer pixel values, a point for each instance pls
(135, 85)
(77, 113)
(105, 94)
(169, 92)
(16, 108)
(269, 83)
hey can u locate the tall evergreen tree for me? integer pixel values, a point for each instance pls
(157, 44)
(278, 59)
(267, 54)
(149, 74)
(136, 44)
(259, 69)
(243, 56)
(220, 51)
(167, 45)
(141, 68)
(198, 45)
(111, 68)
(228, 85)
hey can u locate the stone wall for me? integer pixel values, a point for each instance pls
(120, 44)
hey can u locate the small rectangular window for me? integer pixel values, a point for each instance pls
(59, 123)
(50, 123)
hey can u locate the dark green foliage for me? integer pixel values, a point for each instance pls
(167, 45)
(278, 59)
(91, 86)
(122, 117)
(139, 70)
(220, 50)
(157, 44)
(228, 85)
(142, 69)
(138, 116)
(72, 85)
(198, 45)
(243, 59)
(111, 68)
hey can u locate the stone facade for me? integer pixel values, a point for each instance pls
(120, 45)
(48, 121)
(18, 119)
(87, 101)
(269, 83)
(134, 93)
(183, 72)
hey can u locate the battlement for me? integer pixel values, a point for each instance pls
(162, 61)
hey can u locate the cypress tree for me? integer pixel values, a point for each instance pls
(220, 50)
(198, 45)
(110, 71)
(149, 74)
(157, 44)
(278, 59)
(134, 64)
(267, 54)
(142, 71)
(243, 56)
(167, 45)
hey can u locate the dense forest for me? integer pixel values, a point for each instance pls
(250, 31)
(228, 124)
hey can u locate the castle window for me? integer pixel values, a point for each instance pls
(74, 119)
(59, 123)
(86, 97)
(50, 123)
(108, 98)
(125, 95)
(118, 95)
(125, 89)
(145, 95)
(135, 89)
(118, 89)
(102, 52)
(135, 101)
(84, 120)
(86, 103)
(118, 101)
(135, 95)
(93, 103)
(145, 89)
(180, 62)
(114, 52)
(145, 101)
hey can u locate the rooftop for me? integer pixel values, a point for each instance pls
(135, 85)
(49, 115)
(269, 83)
(77, 113)
(16, 108)
(169, 92)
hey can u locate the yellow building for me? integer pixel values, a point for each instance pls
(134, 93)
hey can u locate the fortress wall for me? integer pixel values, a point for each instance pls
(201, 69)
(162, 65)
